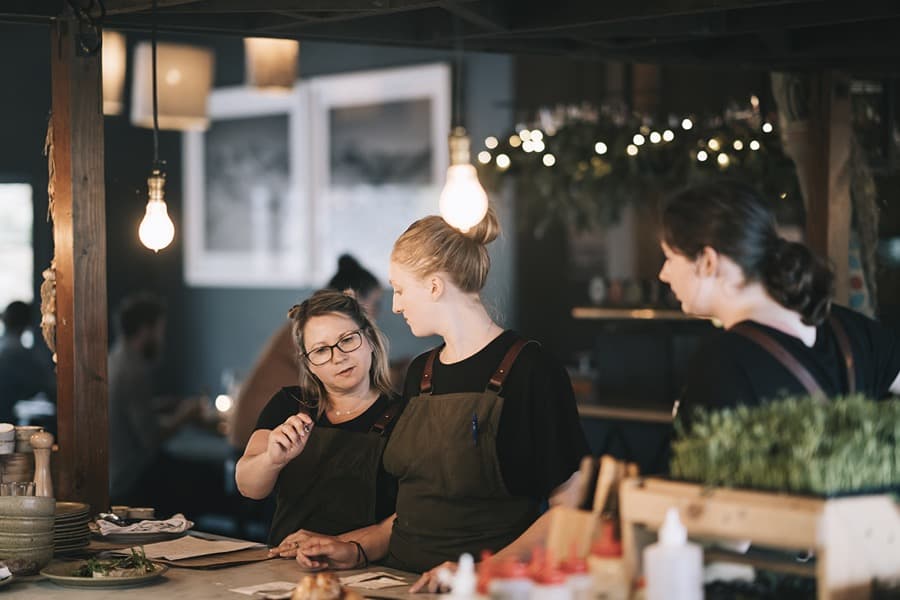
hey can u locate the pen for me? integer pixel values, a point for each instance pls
(474, 429)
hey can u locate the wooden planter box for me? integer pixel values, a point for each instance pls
(855, 539)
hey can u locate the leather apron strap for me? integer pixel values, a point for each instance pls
(495, 383)
(844, 343)
(790, 362)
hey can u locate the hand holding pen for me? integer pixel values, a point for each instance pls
(288, 440)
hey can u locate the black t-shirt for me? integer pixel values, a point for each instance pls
(730, 369)
(286, 402)
(539, 438)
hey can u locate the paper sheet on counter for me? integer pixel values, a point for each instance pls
(374, 580)
(274, 590)
(190, 547)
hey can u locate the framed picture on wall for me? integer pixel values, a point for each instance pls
(378, 162)
(247, 209)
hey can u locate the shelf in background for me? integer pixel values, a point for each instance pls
(621, 413)
(659, 314)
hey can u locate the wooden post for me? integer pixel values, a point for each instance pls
(79, 234)
(829, 212)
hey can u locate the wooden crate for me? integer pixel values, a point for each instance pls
(855, 539)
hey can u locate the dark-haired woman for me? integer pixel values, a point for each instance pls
(725, 259)
(276, 366)
(318, 445)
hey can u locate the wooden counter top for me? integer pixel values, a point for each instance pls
(196, 584)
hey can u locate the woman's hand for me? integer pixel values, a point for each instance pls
(288, 546)
(432, 581)
(319, 552)
(287, 441)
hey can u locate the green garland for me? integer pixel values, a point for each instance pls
(797, 444)
(589, 164)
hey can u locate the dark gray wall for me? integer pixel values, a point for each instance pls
(214, 329)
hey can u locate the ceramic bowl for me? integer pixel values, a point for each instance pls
(26, 561)
(140, 513)
(7, 432)
(26, 540)
(23, 437)
(7, 446)
(27, 506)
(26, 524)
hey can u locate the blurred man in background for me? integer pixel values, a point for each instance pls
(24, 374)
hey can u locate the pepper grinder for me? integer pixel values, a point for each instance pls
(42, 442)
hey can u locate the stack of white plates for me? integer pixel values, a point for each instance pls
(18, 466)
(70, 531)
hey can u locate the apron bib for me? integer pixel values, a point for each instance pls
(330, 488)
(452, 498)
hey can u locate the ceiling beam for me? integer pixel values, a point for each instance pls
(298, 6)
(733, 22)
(492, 23)
(122, 7)
(534, 16)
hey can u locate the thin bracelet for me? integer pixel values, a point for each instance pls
(360, 553)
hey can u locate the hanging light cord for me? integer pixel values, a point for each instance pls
(457, 88)
(156, 162)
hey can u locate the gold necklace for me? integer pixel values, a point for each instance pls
(343, 413)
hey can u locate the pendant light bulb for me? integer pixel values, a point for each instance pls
(157, 230)
(463, 201)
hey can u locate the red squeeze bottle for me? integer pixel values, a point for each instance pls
(485, 572)
(607, 546)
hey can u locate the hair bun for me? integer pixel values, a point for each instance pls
(799, 280)
(487, 229)
(348, 263)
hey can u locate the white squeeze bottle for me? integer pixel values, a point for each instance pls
(464, 580)
(673, 568)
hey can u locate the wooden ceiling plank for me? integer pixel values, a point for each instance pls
(297, 6)
(732, 22)
(30, 8)
(535, 17)
(122, 7)
(365, 19)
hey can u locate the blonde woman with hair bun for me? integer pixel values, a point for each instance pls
(490, 432)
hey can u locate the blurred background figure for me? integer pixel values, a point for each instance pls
(139, 421)
(277, 365)
(24, 374)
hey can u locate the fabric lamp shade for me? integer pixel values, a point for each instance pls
(184, 77)
(271, 63)
(114, 57)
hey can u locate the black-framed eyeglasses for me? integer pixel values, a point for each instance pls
(347, 344)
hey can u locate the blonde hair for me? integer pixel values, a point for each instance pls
(327, 302)
(430, 245)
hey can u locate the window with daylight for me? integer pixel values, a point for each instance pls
(16, 253)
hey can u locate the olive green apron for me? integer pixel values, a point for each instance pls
(452, 498)
(330, 487)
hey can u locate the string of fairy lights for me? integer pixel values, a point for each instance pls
(586, 162)
(532, 141)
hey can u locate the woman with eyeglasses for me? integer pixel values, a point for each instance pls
(276, 365)
(318, 445)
